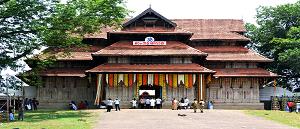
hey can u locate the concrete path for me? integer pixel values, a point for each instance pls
(169, 119)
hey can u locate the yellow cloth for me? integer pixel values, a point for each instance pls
(161, 80)
(115, 79)
(186, 80)
(175, 83)
(139, 80)
(126, 80)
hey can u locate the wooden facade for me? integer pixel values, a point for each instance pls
(199, 60)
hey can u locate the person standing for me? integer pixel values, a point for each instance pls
(158, 103)
(152, 103)
(133, 102)
(201, 105)
(142, 103)
(117, 104)
(181, 104)
(35, 103)
(21, 113)
(174, 104)
(109, 104)
(147, 103)
(194, 105)
(186, 102)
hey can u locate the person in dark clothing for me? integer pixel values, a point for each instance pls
(21, 113)
(35, 103)
(86, 104)
(181, 104)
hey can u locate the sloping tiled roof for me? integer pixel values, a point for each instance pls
(125, 48)
(213, 29)
(75, 53)
(151, 68)
(202, 29)
(67, 72)
(232, 53)
(243, 72)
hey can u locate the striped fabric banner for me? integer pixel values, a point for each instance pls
(115, 79)
(170, 80)
(186, 80)
(130, 80)
(167, 79)
(162, 80)
(106, 78)
(126, 80)
(194, 79)
(120, 78)
(111, 80)
(190, 81)
(145, 79)
(150, 79)
(175, 78)
(139, 80)
(156, 79)
(180, 78)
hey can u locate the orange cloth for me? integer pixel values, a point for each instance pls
(111, 80)
(130, 79)
(156, 78)
(145, 79)
(190, 80)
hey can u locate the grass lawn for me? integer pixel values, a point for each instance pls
(55, 119)
(291, 119)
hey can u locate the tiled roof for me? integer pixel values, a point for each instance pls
(213, 29)
(243, 72)
(125, 48)
(67, 72)
(75, 53)
(152, 68)
(232, 53)
(202, 29)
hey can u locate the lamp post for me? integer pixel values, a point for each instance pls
(7, 103)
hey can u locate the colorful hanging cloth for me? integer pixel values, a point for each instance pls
(130, 80)
(156, 79)
(150, 79)
(186, 80)
(111, 80)
(115, 79)
(170, 80)
(175, 78)
(145, 79)
(126, 80)
(190, 80)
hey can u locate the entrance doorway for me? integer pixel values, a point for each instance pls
(150, 91)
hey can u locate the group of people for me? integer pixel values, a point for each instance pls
(182, 104)
(81, 105)
(109, 104)
(31, 104)
(185, 104)
(148, 103)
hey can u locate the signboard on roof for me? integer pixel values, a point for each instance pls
(150, 41)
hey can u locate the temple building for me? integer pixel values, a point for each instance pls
(151, 55)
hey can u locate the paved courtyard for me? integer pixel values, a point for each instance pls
(168, 119)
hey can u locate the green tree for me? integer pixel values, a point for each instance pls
(27, 25)
(277, 36)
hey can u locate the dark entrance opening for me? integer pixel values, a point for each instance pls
(151, 87)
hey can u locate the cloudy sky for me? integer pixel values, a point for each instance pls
(204, 9)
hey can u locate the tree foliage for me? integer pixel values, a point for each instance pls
(27, 25)
(277, 36)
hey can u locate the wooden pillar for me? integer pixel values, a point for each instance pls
(204, 83)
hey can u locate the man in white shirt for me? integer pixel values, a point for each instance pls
(109, 104)
(158, 103)
(152, 103)
(186, 102)
(147, 103)
(133, 102)
(117, 104)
